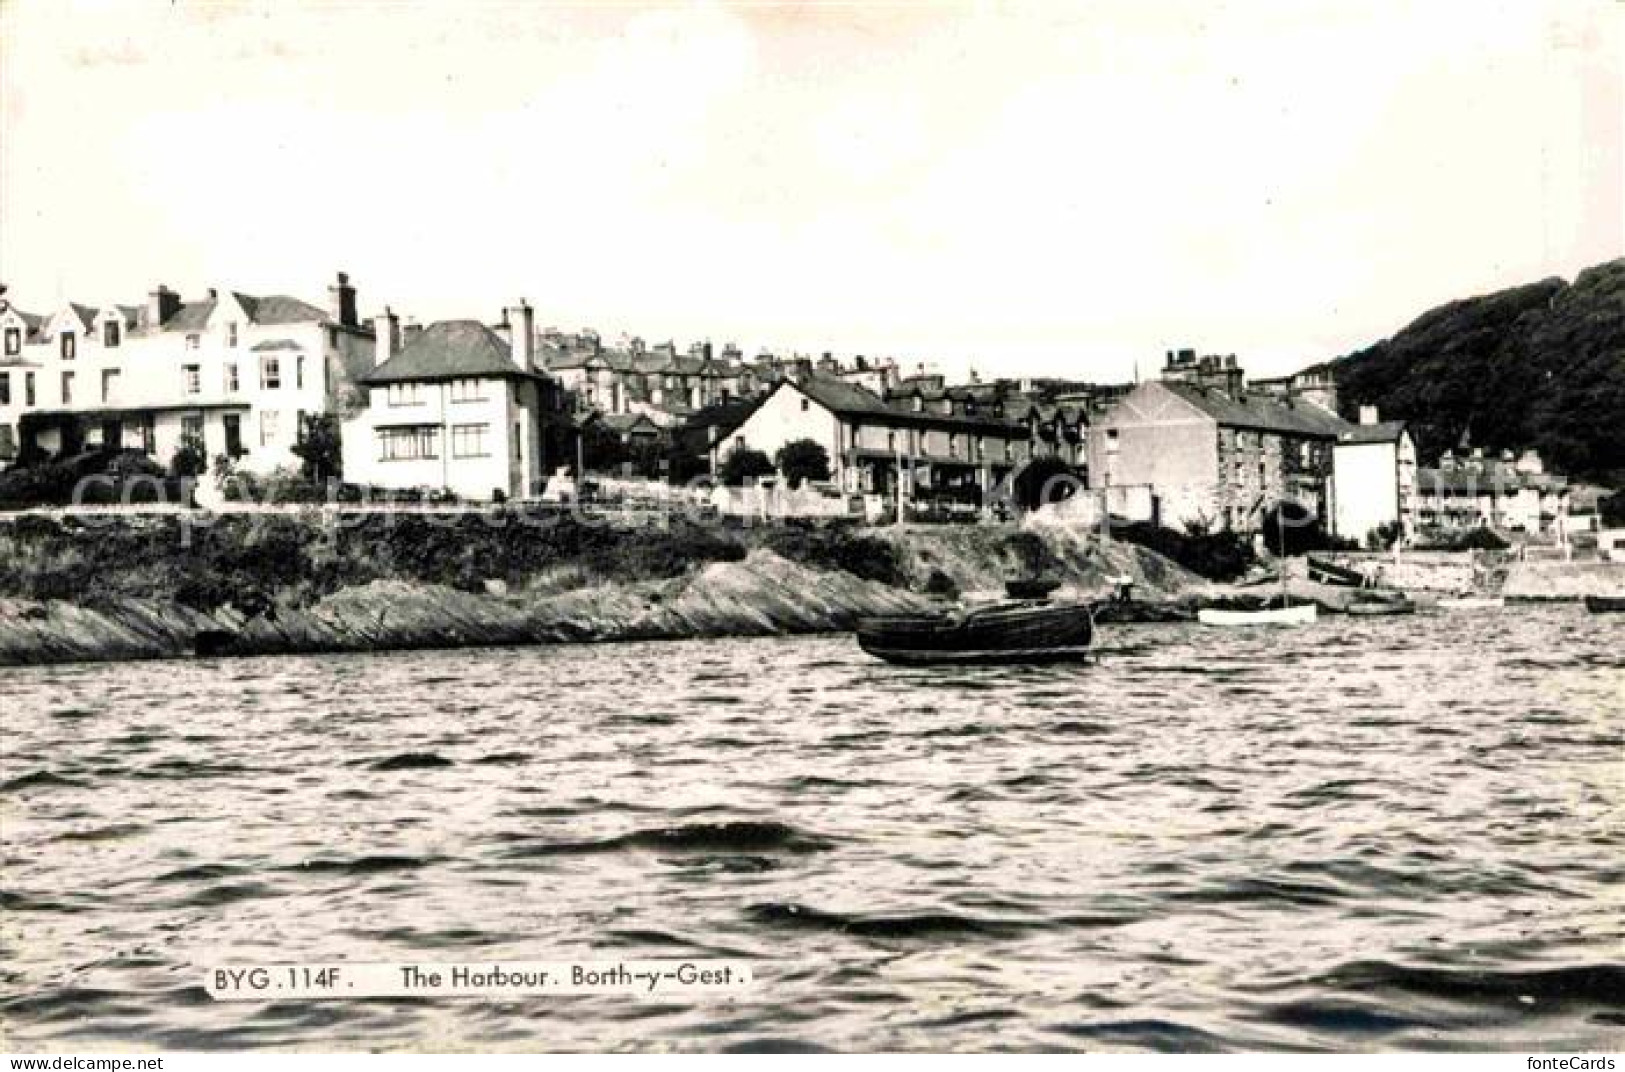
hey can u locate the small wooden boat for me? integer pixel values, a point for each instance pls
(1370, 608)
(1297, 614)
(1473, 603)
(1324, 572)
(1605, 604)
(1016, 631)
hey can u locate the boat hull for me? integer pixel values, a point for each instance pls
(1011, 633)
(1303, 614)
(1378, 610)
(1605, 604)
(1486, 603)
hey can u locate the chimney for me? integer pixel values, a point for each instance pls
(162, 303)
(521, 333)
(1368, 414)
(213, 294)
(410, 329)
(341, 302)
(386, 329)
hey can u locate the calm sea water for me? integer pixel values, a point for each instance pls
(1388, 833)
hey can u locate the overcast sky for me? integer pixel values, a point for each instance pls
(1048, 188)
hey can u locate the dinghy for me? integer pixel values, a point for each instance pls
(1473, 603)
(1297, 614)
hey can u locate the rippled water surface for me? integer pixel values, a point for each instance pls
(1389, 833)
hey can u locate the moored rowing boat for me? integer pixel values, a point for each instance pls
(1021, 631)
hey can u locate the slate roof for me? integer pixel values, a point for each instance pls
(447, 350)
(193, 316)
(850, 400)
(1260, 412)
(275, 344)
(1380, 432)
(274, 309)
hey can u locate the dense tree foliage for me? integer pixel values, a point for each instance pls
(1541, 365)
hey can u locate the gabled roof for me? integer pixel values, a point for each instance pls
(449, 349)
(626, 422)
(275, 309)
(86, 315)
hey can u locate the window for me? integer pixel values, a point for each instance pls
(109, 385)
(299, 372)
(192, 431)
(405, 394)
(14, 341)
(1111, 441)
(110, 333)
(268, 426)
(69, 345)
(192, 377)
(231, 334)
(891, 442)
(191, 342)
(518, 443)
(408, 444)
(67, 388)
(805, 405)
(469, 391)
(270, 372)
(233, 426)
(953, 445)
(28, 388)
(919, 404)
(232, 383)
(5, 388)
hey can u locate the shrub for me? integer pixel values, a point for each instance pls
(802, 460)
(1217, 556)
(836, 545)
(742, 464)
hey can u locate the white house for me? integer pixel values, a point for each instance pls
(457, 408)
(234, 374)
(1373, 477)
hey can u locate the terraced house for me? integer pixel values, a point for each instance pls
(656, 382)
(232, 374)
(945, 452)
(1211, 452)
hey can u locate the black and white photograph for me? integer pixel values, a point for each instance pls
(952, 526)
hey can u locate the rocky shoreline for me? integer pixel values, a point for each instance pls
(761, 594)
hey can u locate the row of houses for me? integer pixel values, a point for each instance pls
(494, 409)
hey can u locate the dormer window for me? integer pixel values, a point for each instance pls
(69, 345)
(14, 342)
(191, 342)
(805, 405)
(110, 333)
(231, 334)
